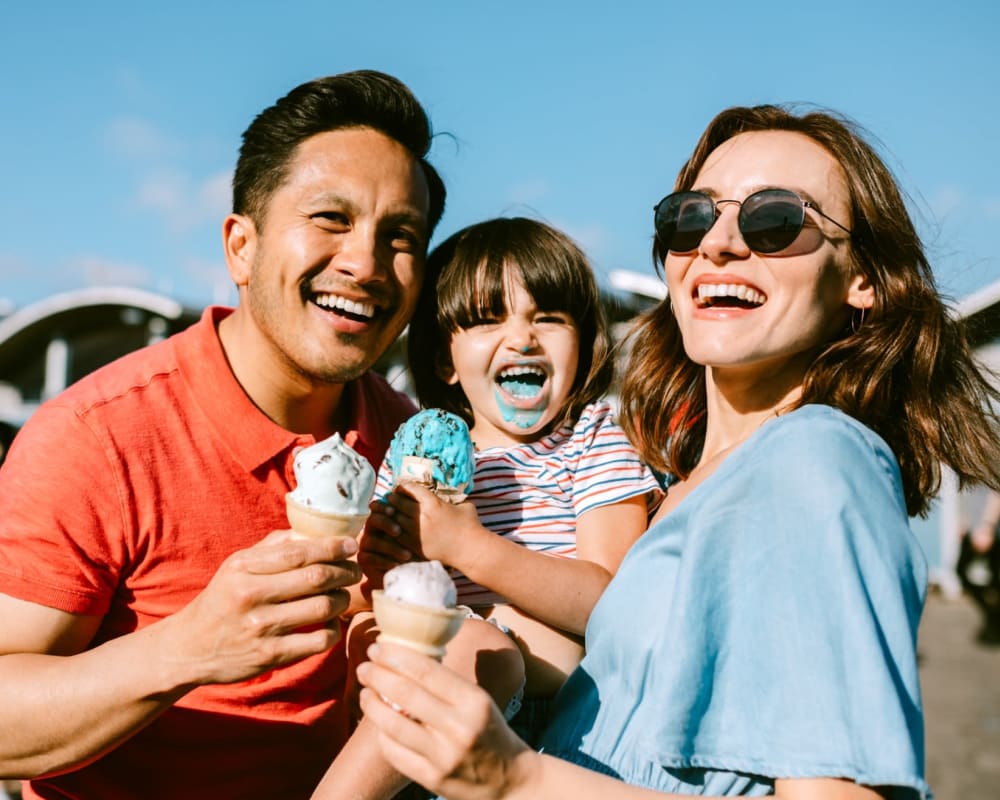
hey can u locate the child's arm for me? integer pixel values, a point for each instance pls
(558, 591)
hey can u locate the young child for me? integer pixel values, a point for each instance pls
(510, 335)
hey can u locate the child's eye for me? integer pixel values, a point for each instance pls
(478, 320)
(554, 318)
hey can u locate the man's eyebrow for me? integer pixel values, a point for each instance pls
(331, 199)
(407, 217)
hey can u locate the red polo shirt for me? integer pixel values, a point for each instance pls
(120, 498)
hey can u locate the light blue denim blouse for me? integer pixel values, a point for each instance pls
(766, 628)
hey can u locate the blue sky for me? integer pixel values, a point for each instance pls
(121, 121)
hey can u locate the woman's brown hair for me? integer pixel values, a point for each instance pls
(468, 277)
(903, 368)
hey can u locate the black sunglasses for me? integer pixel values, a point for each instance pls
(769, 220)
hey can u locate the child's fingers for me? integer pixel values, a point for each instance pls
(378, 551)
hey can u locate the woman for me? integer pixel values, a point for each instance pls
(803, 384)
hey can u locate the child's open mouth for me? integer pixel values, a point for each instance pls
(522, 383)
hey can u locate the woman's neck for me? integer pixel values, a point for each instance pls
(738, 404)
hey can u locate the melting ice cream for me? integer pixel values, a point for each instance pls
(434, 447)
(423, 583)
(332, 478)
(417, 607)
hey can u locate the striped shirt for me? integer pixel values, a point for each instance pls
(534, 493)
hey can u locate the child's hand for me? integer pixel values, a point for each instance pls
(440, 530)
(384, 544)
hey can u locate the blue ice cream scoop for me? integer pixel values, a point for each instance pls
(434, 447)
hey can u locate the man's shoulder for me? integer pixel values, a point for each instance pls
(125, 378)
(135, 375)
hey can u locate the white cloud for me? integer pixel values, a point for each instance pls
(183, 202)
(528, 192)
(209, 281)
(591, 238)
(96, 271)
(946, 199)
(139, 139)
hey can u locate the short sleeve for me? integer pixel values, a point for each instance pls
(797, 604)
(61, 515)
(606, 469)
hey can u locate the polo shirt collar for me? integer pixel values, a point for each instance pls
(252, 437)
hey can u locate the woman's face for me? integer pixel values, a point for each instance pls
(747, 313)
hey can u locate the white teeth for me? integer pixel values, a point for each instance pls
(344, 304)
(510, 372)
(738, 290)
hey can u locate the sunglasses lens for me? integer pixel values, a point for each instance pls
(682, 219)
(771, 220)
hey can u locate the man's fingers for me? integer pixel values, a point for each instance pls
(282, 551)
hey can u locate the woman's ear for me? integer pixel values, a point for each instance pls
(860, 293)
(239, 242)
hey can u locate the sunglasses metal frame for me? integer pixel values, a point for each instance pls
(788, 194)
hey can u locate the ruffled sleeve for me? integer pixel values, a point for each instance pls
(798, 598)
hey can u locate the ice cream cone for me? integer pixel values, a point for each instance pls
(311, 523)
(421, 470)
(421, 628)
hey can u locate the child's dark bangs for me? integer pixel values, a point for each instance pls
(476, 289)
(555, 281)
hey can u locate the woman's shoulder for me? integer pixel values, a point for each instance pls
(819, 446)
(822, 433)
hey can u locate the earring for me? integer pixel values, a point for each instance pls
(857, 319)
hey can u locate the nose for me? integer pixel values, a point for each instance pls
(724, 240)
(521, 335)
(358, 257)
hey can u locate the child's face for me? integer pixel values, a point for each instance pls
(516, 370)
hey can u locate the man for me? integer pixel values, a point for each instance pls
(162, 634)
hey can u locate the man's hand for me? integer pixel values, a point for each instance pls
(269, 605)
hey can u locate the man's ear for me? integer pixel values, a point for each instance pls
(860, 293)
(239, 242)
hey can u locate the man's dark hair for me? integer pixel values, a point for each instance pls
(364, 98)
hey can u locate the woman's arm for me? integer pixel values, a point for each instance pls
(452, 739)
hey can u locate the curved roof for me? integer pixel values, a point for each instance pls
(98, 325)
(54, 306)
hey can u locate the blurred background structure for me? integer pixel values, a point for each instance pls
(47, 345)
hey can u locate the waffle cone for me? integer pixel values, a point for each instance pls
(316, 524)
(426, 630)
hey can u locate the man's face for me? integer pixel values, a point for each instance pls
(331, 275)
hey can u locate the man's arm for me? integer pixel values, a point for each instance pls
(62, 705)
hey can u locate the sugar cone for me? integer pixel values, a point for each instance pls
(421, 470)
(421, 628)
(311, 523)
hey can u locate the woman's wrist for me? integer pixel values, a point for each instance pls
(526, 776)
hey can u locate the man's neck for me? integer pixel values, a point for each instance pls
(286, 397)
